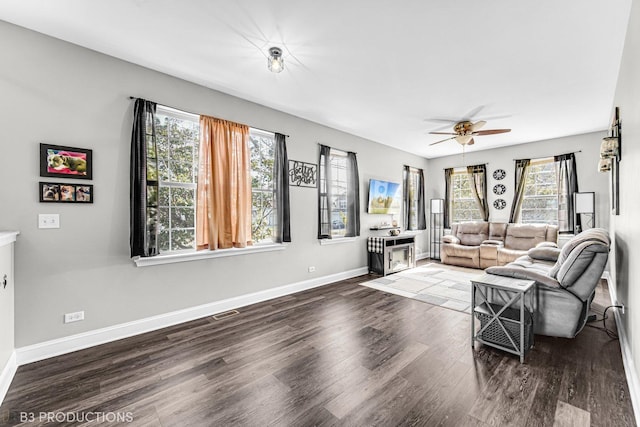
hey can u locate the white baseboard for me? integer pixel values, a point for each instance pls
(627, 356)
(47, 349)
(8, 372)
(423, 255)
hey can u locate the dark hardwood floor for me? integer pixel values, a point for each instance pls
(341, 354)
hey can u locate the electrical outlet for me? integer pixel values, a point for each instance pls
(311, 269)
(48, 221)
(74, 317)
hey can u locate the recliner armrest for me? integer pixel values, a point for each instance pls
(450, 239)
(522, 273)
(547, 245)
(544, 253)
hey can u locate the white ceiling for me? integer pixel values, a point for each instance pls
(373, 68)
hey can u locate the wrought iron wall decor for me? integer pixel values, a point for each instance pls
(610, 157)
(499, 204)
(302, 174)
(499, 189)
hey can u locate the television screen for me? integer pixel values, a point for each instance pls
(384, 197)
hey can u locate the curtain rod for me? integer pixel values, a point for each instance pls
(458, 167)
(198, 114)
(544, 157)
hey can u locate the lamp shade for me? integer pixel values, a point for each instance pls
(437, 205)
(584, 203)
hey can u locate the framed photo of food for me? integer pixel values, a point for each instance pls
(58, 161)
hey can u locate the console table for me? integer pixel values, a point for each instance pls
(391, 254)
(7, 321)
(505, 322)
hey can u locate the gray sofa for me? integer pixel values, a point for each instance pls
(565, 280)
(486, 244)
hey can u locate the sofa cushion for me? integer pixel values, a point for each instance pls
(472, 233)
(524, 236)
(505, 256)
(497, 230)
(462, 251)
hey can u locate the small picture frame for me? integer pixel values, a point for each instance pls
(57, 161)
(63, 192)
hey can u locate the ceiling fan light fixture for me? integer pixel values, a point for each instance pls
(464, 139)
(275, 62)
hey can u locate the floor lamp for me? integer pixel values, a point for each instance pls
(584, 204)
(436, 227)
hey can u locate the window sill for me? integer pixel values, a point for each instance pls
(337, 241)
(198, 255)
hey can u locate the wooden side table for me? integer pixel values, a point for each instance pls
(505, 321)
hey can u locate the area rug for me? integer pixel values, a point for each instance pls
(437, 284)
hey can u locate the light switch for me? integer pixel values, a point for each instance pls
(48, 221)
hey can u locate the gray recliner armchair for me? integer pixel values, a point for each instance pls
(565, 280)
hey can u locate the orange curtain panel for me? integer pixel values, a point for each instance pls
(223, 215)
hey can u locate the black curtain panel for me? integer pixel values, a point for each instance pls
(478, 176)
(522, 166)
(353, 196)
(143, 232)
(567, 178)
(447, 197)
(324, 193)
(406, 197)
(281, 177)
(422, 217)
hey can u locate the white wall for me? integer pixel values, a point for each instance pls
(59, 93)
(503, 158)
(625, 228)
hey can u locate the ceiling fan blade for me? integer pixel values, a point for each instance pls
(471, 142)
(497, 116)
(443, 133)
(441, 120)
(471, 114)
(438, 142)
(442, 127)
(491, 131)
(477, 125)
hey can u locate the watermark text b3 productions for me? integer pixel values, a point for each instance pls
(76, 417)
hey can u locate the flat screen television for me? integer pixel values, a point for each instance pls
(385, 197)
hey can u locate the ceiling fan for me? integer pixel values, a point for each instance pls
(464, 131)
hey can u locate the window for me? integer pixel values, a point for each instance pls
(540, 199)
(338, 192)
(263, 190)
(178, 138)
(464, 206)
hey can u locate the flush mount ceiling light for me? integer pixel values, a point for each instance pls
(275, 61)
